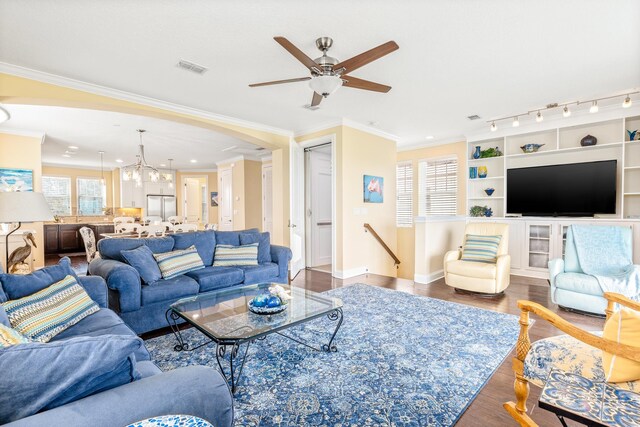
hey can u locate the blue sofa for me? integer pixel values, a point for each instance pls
(194, 390)
(143, 305)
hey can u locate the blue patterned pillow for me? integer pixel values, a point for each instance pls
(229, 255)
(478, 248)
(45, 314)
(175, 263)
(9, 337)
(264, 244)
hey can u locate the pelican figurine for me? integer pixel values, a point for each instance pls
(18, 256)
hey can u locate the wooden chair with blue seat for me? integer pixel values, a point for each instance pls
(578, 357)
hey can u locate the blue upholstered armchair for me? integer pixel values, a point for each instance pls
(591, 254)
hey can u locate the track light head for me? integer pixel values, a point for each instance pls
(594, 107)
(494, 127)
(627, 102)
(539, 117)
(516, 122)
(566, 112)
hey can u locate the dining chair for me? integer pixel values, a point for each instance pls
(127, 228)
(176, 219)
(151, 220)
(181, 228)
(122, 220)
(153, 230)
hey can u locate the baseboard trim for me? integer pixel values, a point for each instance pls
(428, 278)
(347, 274)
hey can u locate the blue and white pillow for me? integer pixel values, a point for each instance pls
(176, 263)
(229, 255)
(478, 248)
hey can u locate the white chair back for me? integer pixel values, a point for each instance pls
(213, 227)
(151, 220)
(151, 230)
(181, 228)
(176, 219)
(122, 220)
(167, 226)
(127, 228)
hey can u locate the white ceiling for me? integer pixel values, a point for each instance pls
(115, 134)
(456, 57)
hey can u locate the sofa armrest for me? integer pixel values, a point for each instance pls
(281, 255)
(194, 390)
(96, 287)
(120, 277)
(503, 272)
(451, 256)
(556, 266)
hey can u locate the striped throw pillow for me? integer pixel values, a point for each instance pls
(175, 263)
(229, 255)
(43, 315)
(481, 248)
(9, 337)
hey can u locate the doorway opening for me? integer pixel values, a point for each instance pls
(318, 207)
(195, 201)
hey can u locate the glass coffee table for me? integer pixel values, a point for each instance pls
(223, 316)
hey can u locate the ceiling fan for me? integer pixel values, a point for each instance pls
(328, 73)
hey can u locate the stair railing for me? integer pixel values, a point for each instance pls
(396, 260)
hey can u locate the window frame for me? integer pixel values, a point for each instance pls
(103, 196)
(404, 191)
(423, 192)
(69, 194)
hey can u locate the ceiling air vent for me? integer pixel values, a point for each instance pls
(474, 117)
(192, 66)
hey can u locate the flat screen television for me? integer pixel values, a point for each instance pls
(577, 189)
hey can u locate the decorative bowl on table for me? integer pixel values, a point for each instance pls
(273, 301)
(531, 148)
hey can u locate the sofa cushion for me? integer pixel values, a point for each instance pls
(147, 369)
(480, 248)
(232, 237)
(264, 272)
(45, 376)
(111, 248)
(50, 311)
(9, 337)
(18, 286)
(169, 289)
(204, 241)
(479, 270)
(578, 282)
(141, 258)
(229, 256)
(104, 322)
(264, 244)
(211, 278)
(176, 263)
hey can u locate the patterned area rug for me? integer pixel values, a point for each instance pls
(402, 360)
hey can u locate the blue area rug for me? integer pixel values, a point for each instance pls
(402, 360)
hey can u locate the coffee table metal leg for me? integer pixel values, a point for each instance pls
(172, 320)
(234, 371)
(334, 315)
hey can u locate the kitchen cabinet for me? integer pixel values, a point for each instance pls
(63, 238)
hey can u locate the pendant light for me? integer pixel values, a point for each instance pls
(170, 175)
(594, 107)
(136, 171)
(102, 180)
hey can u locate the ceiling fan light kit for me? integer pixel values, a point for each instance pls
(328, 74)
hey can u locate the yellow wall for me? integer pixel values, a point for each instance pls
(253, 194)
(281, 196)
(74, 174)
(406, 235)
(212, 182)
(23, 152)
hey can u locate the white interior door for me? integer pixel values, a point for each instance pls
(296, 223)
(192, 200)
(267, 199)
(225, 200)
(320, 207)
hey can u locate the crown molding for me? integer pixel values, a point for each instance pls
(195, 171)
(41, 76)
(433, 143)
(348, 123)
(72, 166)
(266, 159)
(318, 128)
(231, 160)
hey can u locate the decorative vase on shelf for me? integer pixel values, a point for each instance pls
(489, 191)
(588, 141)
(476, 153)
(633, 134)
(473, 172)
(482, 171)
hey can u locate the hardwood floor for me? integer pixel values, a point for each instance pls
(486, 409)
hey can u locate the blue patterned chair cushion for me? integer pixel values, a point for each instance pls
(43, 315)
(176, 263)
(228, 255)
(172, 421)
(567, 354)
(479, 248)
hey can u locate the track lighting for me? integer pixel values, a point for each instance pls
(539, 117)
(627, 102)
(516, 122)
(566, 112)
(494, 127)
(594, 107)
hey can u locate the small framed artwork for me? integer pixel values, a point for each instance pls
(16, 180)
(214, 198)
(373, 189)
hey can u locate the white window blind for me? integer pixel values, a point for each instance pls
(404, 194)
(91, 196)
(438, 187)
(57, 192)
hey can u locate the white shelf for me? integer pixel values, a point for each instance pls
(632, 194)
(539, 252)
(485, 159)
(485, 198)
(539, 238)
(566, 150)
(485, 179)
(627, 168)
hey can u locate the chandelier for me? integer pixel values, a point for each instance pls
(137, 170)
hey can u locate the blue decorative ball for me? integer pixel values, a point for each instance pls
(261, 300)
(273, 302)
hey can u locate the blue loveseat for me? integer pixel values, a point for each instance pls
(194, 390)
(143, 305)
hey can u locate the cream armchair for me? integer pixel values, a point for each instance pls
(479, 277)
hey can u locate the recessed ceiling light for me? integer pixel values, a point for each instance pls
(72, 147)
(119, 160)
(66, 155)
(429, 137)
(193, 161)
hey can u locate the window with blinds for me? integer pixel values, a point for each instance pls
(91, 196)
(57, 192)
(404, 194)
(438, 187)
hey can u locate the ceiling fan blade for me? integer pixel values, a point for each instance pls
(299, 55)
(364, 58)
(277, 82)
(356, 83)
(315, 101)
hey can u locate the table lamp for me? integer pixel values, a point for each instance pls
(20, 207)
